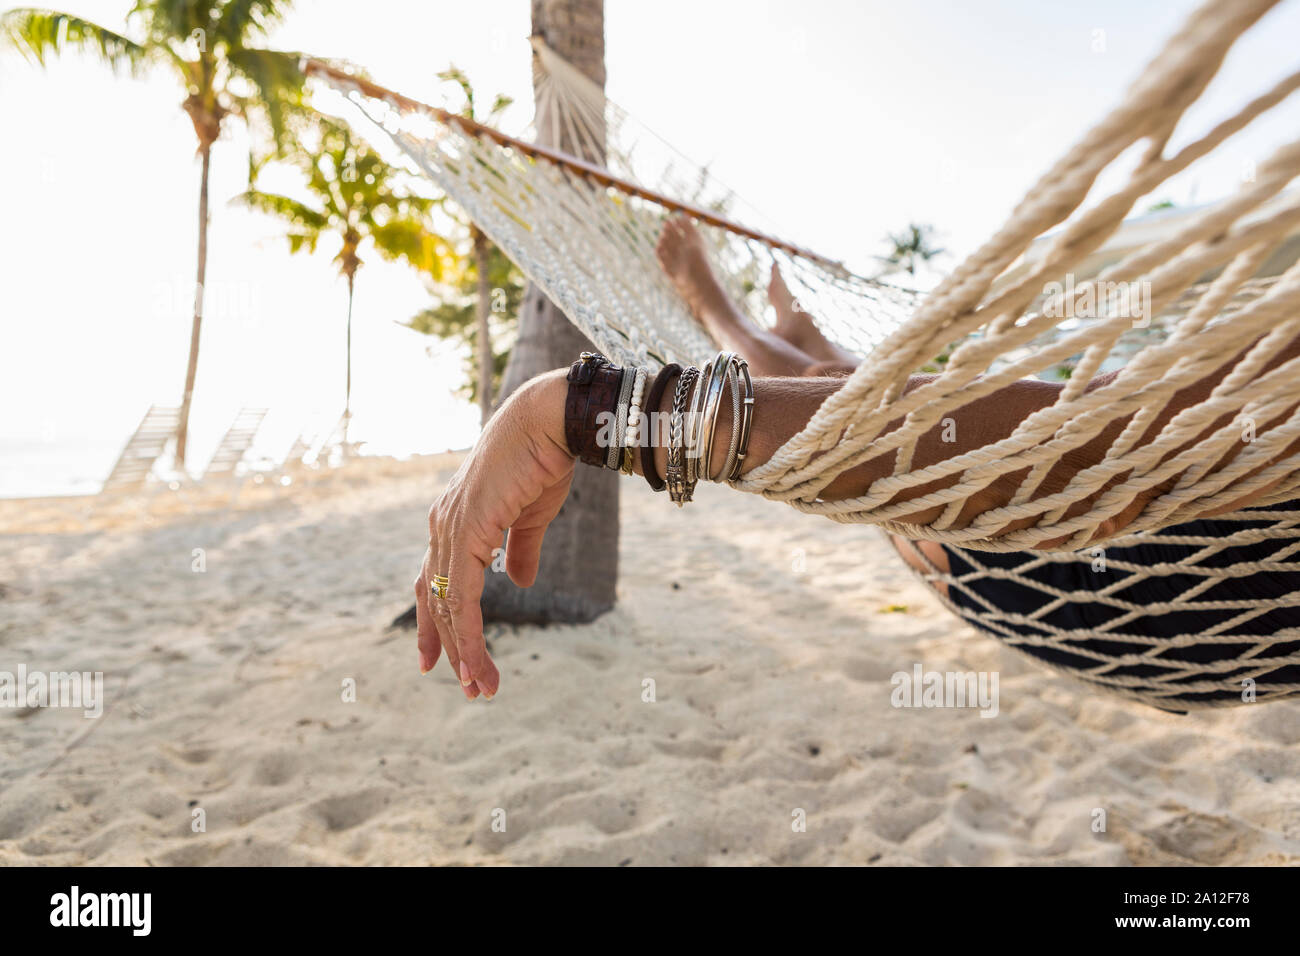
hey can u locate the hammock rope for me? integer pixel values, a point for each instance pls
(586, 235)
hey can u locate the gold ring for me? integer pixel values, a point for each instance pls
(439, 587)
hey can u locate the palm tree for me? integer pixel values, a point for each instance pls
(579, 570)
(482, 251)
(356, 196)
(210, 45)
(457, 314)
(911, 249)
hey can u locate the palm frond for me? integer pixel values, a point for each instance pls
(39, 33)
(499, 106)
(302, 240)
(411, 241)
(301, 216)
(170, 22)
(277, 78)
(454, 74)
(239, 21)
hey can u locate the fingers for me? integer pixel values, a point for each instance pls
(444, 615)
(447, 637)
(524, 554)
(430, 646)
(454, 623)
(675, 229)
(475, 668)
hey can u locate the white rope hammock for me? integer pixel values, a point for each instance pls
(586, 236)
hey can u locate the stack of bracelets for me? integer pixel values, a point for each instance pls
(610, 414)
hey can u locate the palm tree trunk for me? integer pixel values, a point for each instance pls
(191, 370)
(579, 568)
(347, 392)
(482, 262)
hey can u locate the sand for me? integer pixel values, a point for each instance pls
(771, 738)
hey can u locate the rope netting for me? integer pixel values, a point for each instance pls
(1235, 236)
(586, 235)
(590, 245)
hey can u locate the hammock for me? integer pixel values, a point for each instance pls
(586, 235)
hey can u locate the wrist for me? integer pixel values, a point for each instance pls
(545, 395)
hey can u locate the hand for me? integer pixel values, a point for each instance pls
(516, 477)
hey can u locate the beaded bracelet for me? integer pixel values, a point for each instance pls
(632, 430)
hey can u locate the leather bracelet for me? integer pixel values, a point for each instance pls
(602, 407)
(593, 389)
(575, 400)
(650, 418)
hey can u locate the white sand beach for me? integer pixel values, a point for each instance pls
(225, 693)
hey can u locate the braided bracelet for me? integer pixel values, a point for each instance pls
(680, 487)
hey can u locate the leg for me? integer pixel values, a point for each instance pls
(798, 328)
(682, 254)
(912, 551)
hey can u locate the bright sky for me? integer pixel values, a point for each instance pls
(839, 120)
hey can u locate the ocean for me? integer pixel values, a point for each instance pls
(31, 469)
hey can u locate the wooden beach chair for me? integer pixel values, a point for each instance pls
(335, 441)
(235, 443)
(142, 449)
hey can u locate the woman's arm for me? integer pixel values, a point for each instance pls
(518, 475)
(784, 406)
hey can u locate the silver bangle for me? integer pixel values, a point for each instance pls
(746, 422)
(614, 458)
(718, 373)
(693, 424)
(729, 464)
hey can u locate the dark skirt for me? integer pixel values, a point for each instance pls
(1022, 608)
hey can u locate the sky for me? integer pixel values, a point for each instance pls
(838, 120)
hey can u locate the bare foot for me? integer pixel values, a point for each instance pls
(682, 253)
(798, 328)
(685, 261)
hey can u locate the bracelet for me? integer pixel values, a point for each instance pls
(680, 487)
(718, 375)
(617, 436)
(609, 419)
(594, 388)
(742, 433)
(693, 424)
(632, 434)
(651, 418)
(602, 405)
